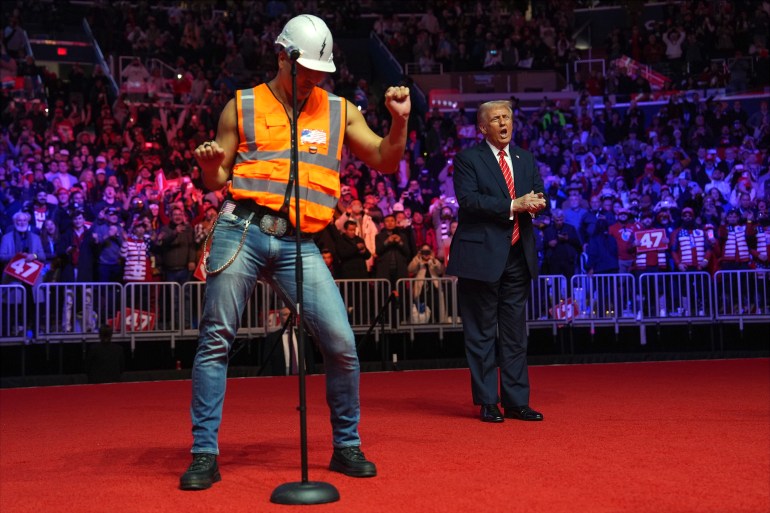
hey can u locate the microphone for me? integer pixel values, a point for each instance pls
(293, 53)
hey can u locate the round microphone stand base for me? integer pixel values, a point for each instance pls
(305, 492)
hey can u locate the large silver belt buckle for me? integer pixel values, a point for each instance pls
(273, 225)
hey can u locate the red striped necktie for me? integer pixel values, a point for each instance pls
(512, 190)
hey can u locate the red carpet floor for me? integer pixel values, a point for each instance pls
(643, 437)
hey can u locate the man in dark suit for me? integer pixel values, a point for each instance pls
(493, 255)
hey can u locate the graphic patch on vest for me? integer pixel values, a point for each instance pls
(312, 136)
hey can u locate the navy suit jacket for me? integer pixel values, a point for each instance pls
(481, 244)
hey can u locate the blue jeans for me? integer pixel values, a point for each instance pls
(273, 260)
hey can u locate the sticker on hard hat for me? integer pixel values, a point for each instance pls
(312, 137)
(307, 35)
(321, 53)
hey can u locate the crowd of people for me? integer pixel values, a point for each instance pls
(99, 188)
(103, 189)
(694, 44)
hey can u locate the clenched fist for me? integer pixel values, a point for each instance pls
(209, 155)
(398, 102)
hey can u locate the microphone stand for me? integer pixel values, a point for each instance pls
(300, 492)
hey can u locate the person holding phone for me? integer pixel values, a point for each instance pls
(493, 59)
(427, 290)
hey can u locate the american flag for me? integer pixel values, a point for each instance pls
(312, 137)
(161, 183)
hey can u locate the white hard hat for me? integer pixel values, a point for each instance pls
(310, 35)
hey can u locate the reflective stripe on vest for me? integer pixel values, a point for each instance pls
(262, 163)
(278, 188)
(305, 158)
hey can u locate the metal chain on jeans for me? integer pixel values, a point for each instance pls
(232, 258)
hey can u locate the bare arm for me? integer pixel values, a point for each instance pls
(216, 157)
(380, 153)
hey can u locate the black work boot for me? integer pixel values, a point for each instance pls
(352, 462)
(201, 474)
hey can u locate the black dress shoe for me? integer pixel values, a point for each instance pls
(491, 413)
(522, 413)
(352, 462)
(201, 474)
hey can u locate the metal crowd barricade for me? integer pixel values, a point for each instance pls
(549, 302)
(13, 313)
(74, 311)
(274, 303)
(192, 307)
(675, 297)
(742, 296)
(604, 299)
(69, 312)
(259, 313)
(427, 304)
(364, 300)
(254, 321)
(152, 309)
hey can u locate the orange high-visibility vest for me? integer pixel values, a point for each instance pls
(262, 164)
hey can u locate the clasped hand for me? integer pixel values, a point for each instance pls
(531, 202)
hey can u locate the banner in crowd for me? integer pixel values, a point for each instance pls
(650, 240)
(657, 80)
(26, 272)
(200, 268)
(135, 320)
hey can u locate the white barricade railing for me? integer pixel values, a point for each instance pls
(364, 301)
(604, 298)
(742, 295)
(273, 306)
(66, 311)
(675, 297)
(253, 321)
(150, 308)
(427, 304)
(13, 314)
(550, 301)
(192, 307)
